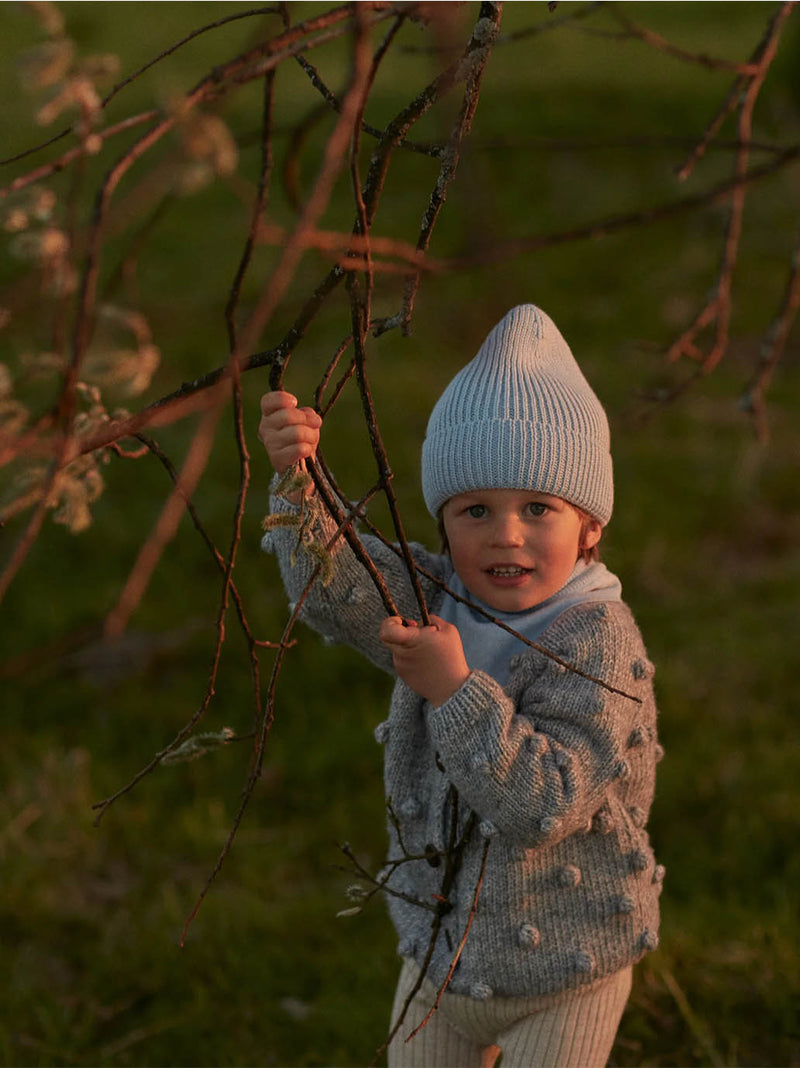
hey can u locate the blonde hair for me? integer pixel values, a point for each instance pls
(589, 554)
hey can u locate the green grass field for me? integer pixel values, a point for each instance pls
(704, 538)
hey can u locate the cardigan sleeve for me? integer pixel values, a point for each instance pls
(536, 760)
(344, 604)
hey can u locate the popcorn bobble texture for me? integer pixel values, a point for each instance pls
(570, 888)
(520, 415)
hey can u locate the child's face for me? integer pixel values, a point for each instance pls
(513, 549)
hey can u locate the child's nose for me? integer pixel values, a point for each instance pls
(507, 531)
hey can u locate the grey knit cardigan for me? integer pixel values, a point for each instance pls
(558, 771)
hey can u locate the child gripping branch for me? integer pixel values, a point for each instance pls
(488, 740)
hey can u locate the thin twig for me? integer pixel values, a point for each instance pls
(385, 472)
(344, 245)
(262, 731)
(315, 469)
(152, 446)
(139, 72)
(126, 266)
(661, 44)
(360, 311)
(656, 142)
(166, 526)
(553, 23)
(475, 59)
(730, 104)
(772, 348)
(252, 13)
(380, 885)
(453, 857)
(612, 224)
(326, 377)
(718, 307)
(334, 155)
(397, 129)
(46, 170)
(332, 102)
(457, 956)
(265, 171)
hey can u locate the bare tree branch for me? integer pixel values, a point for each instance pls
(772, 349)
(718, 307)
(461, 944)
(362, 257)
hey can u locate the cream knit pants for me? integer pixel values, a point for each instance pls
(572, 1030)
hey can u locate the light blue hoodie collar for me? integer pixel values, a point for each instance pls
(489, 648)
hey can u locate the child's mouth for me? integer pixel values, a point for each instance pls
(507, 572)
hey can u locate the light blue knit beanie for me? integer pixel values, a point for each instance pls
(520, 415)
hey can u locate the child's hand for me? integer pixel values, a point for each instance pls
(290, 434)
(429, 659)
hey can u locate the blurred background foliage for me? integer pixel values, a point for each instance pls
(573, 125)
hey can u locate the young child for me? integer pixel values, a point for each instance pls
(488, 739)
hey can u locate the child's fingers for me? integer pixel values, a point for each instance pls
(297, 417)
(289, 433)
(275, 400)
(293, 436)
(284, 458)
(282, 415)
(280, 410)
(389, 628)
(395, 630)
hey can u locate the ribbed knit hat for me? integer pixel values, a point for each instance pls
(520, 415)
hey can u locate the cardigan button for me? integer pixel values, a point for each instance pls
(603, 821)
(638, 736)
(529, 936)
(570, 875)
(584, 962)
(638, 816)
(354, 595)
(624, 904)
(411, 808)
(648, 941)
(480, 762)
(638, 860)
(642, 669)
(480, 991)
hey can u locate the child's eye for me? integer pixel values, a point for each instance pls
(477, 511)
(536, 508)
